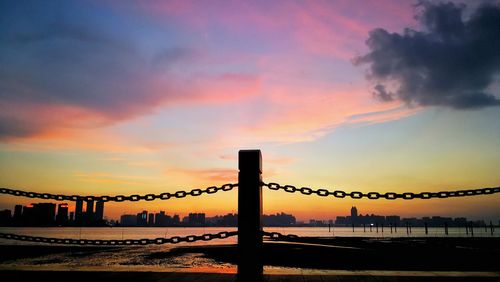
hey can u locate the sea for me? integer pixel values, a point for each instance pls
(121, 233)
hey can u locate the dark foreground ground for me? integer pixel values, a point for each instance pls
(86, 276)
(423, 254)
(304, 259)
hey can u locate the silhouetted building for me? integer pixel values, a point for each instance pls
(5, 217)
(142, 218)
(160, 219)
(89, 212)
(28, 217)
(176, 220)
(151, 219)
(41, 214)
(354, 212)
(18, 213)
(279, 219)
(72, 216)
(229, 220)
(128, 220)
(196, 219)
(79, 210)
(99, 211)
(62, 214)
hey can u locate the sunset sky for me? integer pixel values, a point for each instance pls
(136, 97)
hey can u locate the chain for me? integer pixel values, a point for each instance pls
(128, 242)
(119, 198)
(388, 195)
(279, 236)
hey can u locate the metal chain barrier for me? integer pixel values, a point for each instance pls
(119, 198)
(127, 242)
(279, 236)
(377, 195)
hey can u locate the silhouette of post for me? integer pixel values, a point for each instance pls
(250, 267)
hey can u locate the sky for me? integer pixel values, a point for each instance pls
(138, 97)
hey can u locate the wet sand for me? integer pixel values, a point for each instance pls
(304, 259)
(423, 254)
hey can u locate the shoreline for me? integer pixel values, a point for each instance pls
(351, 254)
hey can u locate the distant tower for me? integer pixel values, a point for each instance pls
(90, 210)
(151, 219)
(18, 212)
(354, 212)
(62, 213)
(99, 210)
(78, 210)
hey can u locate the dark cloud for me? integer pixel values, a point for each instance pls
(451, 62)
(58, 53)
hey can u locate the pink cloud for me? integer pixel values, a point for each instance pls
(330, 28)
(206, 175)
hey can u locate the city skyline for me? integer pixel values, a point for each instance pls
(47, 215)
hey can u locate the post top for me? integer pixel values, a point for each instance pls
(249, 160)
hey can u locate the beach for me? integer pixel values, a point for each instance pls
(316, 259)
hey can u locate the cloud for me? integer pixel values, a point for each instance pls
(215, 174)
(451, 62)
(62, 66)
(51, 60)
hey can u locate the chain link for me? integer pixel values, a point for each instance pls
(127, 242)
(388, 195)
(279, 236)
(119, 198)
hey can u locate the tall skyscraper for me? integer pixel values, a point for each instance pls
(151, 219)
(354, 212)
(99, 210)
(44, 214)
(62, 214)
(18, 212)
(142, 218)
(90, 210)
(79, 210)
